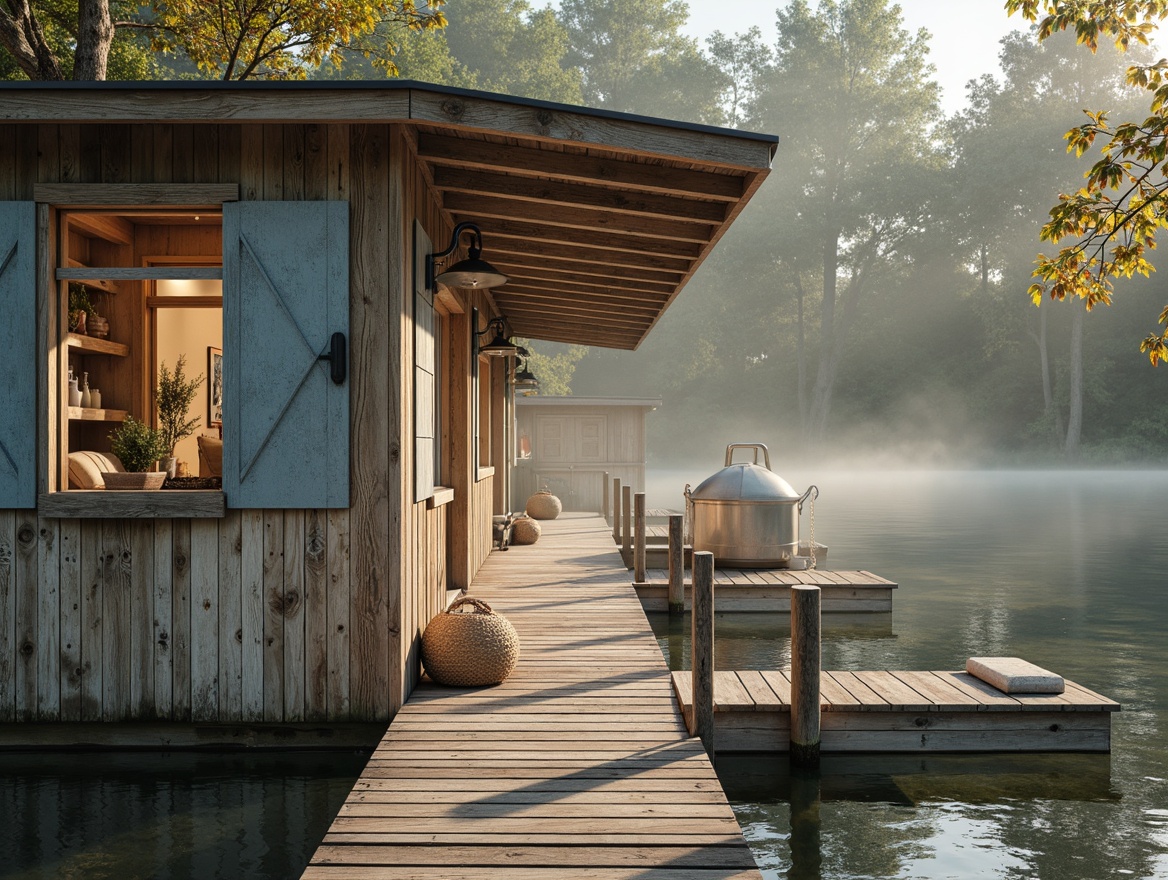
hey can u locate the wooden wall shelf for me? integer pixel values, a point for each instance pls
(94, 345)
(88, 414)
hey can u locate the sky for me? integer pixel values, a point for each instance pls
(965, 33)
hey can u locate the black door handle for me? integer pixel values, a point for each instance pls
(338, 361)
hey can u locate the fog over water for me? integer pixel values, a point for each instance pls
(1064, 568)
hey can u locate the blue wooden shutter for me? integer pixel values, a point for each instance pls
(285, 293)
(18, 355)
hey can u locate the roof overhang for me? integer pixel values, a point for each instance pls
(599, 219)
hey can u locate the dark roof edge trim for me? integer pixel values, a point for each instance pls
(379, 85)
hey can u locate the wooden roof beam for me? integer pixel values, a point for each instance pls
(590, 307)
(577, 334)
(482, 155)
(561, 291)
(490, 206)
(584, 268)
(503, 239)
(575, 195)
(553, 314)
(579, 281)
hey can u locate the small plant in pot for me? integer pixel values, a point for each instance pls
(138, 446)
(81, 309)
(175, 395)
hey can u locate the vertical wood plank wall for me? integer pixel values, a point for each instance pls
(262, 616)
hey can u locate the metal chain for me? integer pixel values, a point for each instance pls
(813, 496)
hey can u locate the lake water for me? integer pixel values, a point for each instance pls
(123, 816)
(1069, 570)
(1066, 569)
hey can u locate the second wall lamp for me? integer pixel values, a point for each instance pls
(500, 345)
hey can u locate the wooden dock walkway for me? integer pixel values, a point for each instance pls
(904, 712)
(578, 767)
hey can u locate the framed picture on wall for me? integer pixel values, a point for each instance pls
(215, 398)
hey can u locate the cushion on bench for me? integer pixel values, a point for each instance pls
(1013, 675)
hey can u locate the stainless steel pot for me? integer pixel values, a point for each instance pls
(745, 514)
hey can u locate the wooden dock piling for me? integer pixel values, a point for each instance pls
(702, 649)
(627, 521)
(605, 503)
(806, 662)
(639, 538)
(616, 522)
(676, 565)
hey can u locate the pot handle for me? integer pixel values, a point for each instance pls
(755, 446)
(807, 495)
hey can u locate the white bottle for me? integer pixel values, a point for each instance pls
(86, 397)
(95, 399)
(74, 391)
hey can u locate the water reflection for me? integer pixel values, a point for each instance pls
(182, 815)
(1066, 569)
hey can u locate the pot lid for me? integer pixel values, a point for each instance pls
(745, 482)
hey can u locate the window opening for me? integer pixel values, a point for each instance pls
(137, 288)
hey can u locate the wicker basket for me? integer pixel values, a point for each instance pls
(544, 505)
(469, 650)
(525, 530)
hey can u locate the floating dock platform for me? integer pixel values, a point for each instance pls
(903, 712)
(770, 590)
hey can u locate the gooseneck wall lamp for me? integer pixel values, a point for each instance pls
(524, 378)
(473, 272)
(500, 345)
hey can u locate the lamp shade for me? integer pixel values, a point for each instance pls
(472, 272)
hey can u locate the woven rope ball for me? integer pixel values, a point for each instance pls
(525, 530)
(544, 505)
(473, 649)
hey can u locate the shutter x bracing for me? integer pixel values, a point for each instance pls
(286, 311)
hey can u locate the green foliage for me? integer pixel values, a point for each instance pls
(1116, 215)
(138, 445)
(496, 45)
(553, 365)
(174, 398)
(634, 58)
(286, 39)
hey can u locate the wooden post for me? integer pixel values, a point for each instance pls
(627, 521)
(639, 538)
(604, 505)
(806, 659)
(616, 523)
(702, 648)
(676, 565)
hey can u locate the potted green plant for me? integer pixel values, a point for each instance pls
(138, 446)
(81, 308)
(174, 398)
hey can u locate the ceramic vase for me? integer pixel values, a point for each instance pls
(74, 391)
(86, 397)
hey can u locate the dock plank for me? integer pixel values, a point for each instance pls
(578, 765)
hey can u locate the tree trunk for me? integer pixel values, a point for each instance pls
(1075, 415)
(1049, 410)
(821, 394)
(22, 36)
(801, 355)
(95, 33)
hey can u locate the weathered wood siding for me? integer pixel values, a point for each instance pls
(263, 616)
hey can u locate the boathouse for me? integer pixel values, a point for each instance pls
(574, 447)
(362, 441)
